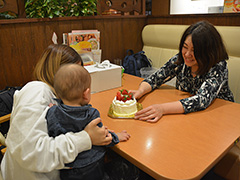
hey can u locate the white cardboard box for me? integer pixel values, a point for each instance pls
(104, 78)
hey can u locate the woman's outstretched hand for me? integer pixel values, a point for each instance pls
(154, 112)
(99, 135)
(151, 114)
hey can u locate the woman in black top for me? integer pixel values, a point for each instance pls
(200, 68)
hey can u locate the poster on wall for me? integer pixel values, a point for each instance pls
(231, 6)
(86, 43)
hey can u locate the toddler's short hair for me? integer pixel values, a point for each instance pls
(70, 81)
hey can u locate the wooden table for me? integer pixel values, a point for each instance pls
(183, 146)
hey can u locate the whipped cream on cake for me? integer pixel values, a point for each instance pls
(124, 104)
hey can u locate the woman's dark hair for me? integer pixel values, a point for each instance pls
(208, 46)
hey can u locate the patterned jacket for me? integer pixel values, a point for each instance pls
(204, 88)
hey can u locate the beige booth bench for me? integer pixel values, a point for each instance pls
(161, 41)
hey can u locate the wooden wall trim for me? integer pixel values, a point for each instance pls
(197, 15)
(231, 19)
(224, 19)
(99, 17)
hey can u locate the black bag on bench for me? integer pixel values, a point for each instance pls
(132, 63)
(6, 103)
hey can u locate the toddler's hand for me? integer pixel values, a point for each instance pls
(51, 104)
(123, 136)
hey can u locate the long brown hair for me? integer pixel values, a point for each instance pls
(208, 46)
(52, 58)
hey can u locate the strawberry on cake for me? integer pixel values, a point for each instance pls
(124, 104)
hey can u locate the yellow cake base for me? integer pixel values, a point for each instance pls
(113, 115)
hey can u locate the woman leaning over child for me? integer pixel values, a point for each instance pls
(31, 153)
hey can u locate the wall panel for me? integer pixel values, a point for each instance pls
(23, 40)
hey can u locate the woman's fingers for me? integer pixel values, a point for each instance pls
(153, 120)
(151, 114)
(144, 112)
(107, 139)
(95, 121)
(136, 94)
(98, 135)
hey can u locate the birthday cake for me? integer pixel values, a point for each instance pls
(124, 104)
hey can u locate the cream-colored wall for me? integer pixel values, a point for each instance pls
(193, 7)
